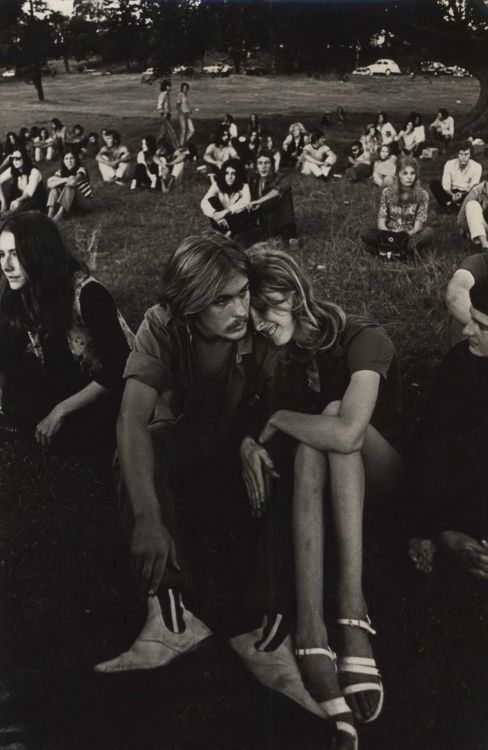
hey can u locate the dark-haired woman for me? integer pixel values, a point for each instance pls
(11, 144)
(386, 131)
(345, 416)
(58, 134)
(228, 198)
(403, 209)
(63, 343)
(254, 124)
(69, 188)
(21, 186)
(147, 167)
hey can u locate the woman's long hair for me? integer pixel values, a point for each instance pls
(45, 302)
(12, 142)
(401, 194)
(274, 272)
(65, 172)
(151, 145)
(197, 272)
(27, 165)
(240, 180)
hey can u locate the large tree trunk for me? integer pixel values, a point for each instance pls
(37, 81)
(477, 118)
(66, 64)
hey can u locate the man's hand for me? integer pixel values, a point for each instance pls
(268, 431)
(15, 204)
(257, 471)
(48, 427)
(470, 554)
(151, 547)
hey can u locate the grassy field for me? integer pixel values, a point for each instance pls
(62, 559)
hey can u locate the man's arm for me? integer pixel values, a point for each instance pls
(447, 178)
(152, 544)
(457, 296)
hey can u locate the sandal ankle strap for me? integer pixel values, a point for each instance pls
(317, 650)
(358, 623)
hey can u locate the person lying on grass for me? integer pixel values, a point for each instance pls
(446, 481)
(63, 343)
(345, 377)
(69, 188)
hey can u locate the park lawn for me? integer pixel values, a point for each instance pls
(63, 563)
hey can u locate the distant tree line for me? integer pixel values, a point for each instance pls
(304, 36)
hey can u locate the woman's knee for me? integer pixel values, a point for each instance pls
(333, 409)
(310, 465)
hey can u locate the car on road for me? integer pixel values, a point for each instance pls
(10, 73)
(256, 70)
(383, 67)
(183, 70)
(218, 69)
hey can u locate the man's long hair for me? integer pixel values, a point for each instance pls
(197, 272)
(274, 275)
(45, 302)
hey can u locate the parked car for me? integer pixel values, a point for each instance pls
(184, 70)
(383, 67)
(256, 70)
(433, 68)
(218, 69)
(457, 72)
(10, 73)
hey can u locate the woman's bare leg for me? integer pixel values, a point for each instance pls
(318, 670)
(308, 532)
(381, 464)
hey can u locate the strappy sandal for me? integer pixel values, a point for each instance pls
(333, 708)
(361, 665)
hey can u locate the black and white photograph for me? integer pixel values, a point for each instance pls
(243, 374)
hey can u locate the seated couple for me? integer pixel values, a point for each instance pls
(203, 390)
(251, 209)
(447, 485)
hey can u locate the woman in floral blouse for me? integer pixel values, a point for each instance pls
(403, 208)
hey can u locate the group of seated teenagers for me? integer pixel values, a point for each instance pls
(243, 364)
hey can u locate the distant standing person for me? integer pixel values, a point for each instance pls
(184, 110)
(166, 131)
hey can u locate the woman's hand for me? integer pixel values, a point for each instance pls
(15, 204)
(71, 181)
(219, 215)
(152, 546)
(257, 470)
(48, 427)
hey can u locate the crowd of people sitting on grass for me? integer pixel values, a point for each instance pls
(243, 364)
(250, 195)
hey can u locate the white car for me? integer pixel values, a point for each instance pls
(383, 67)
(218, 69)
(9, 73)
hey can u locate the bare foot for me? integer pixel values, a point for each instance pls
(421, 552)
(467, 553)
